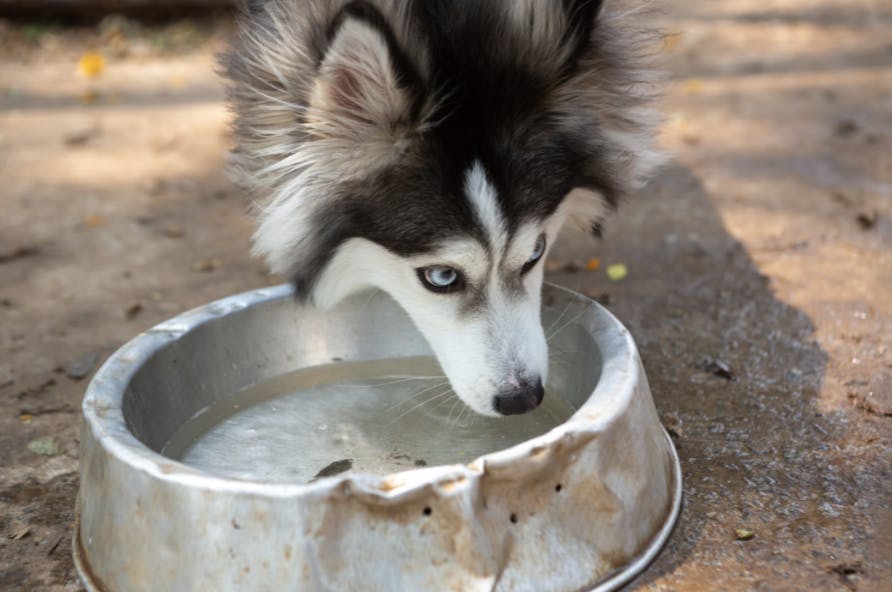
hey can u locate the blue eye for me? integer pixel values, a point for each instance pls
(538, 251)
(440, 279)
(440, 276)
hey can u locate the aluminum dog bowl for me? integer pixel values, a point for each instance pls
(207, 442)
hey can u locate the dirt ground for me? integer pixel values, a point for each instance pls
(759, 284)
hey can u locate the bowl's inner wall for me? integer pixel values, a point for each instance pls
(223, 356)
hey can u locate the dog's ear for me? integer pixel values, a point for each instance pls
(358, 93)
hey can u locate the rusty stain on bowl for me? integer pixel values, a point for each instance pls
(584, 505)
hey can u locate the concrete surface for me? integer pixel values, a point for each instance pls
(759, 283)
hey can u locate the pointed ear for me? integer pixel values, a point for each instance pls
(357, 93)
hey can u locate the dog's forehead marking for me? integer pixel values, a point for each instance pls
(482, 195)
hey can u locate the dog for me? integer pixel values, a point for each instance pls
(433, 149)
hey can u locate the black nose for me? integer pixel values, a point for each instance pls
(521, 399)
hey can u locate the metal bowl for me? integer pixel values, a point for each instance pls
(215, 447)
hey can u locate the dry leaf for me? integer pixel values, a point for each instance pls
(671, 41)
(207, 265)
(88, 97)
(593, 264)
(692, 86)
(91, 64)
(94, 221)
(617, 271)
(173, 231)
(132, 310)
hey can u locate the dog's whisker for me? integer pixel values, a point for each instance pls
(449, 419)
(423, 403)
(562, 351)
(399, 380)
(443, 401)
(565, 325)
(412, 399)
(561, 361)
(560, 316)
(471, 421)
(570, 302)
(416, 395)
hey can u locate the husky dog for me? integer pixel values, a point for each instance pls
(433, 149)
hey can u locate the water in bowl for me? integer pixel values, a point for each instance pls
(377, 417)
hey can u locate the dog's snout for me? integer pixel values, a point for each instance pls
(519, 399)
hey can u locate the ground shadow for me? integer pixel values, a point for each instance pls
(734, 372)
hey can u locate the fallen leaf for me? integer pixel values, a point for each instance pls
(173, 231)
(846, 128)
(671, 41)
(20, 533)
(88, 97)
(617, 271)
(335, 468)
(26, 417)
(692, 86)
(593, 264)
(207, 265)
(46, 446)
(80, 138)
(720, 369)
(94, 221)
(133, 310)
(743, 534)
(867, 220)
(91, 64)
(846, 569)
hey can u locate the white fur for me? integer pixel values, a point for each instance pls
(482, 196)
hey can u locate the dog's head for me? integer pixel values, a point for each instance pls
(431, 150)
